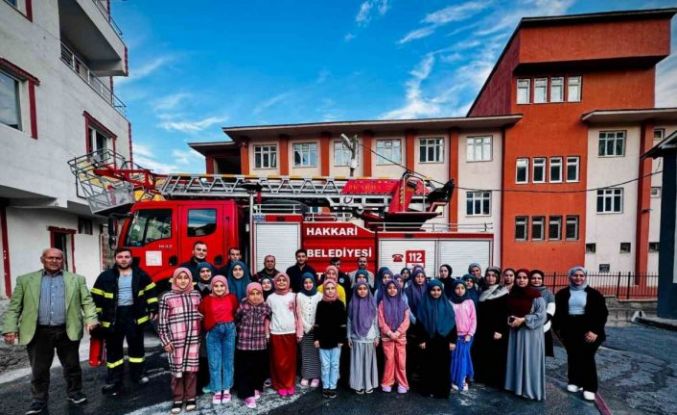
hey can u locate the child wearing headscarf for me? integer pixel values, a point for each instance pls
(331, 273)
(251, 355)
(306, 306)
(204, 272)
(466, 325)
(446, 278)
(283, 336)
(406, 276)
(362, 275)
(472, 287)
(393, 319)
(267, 286)
(437, 326)
(238, 279)
(219, 309)
(330, 335)
(414, 292)
(363, 338)
(383, 275)
(179, 332)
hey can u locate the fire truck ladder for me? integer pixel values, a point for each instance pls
(110, 182)
(336, 193)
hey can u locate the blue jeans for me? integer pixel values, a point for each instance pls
(329, 360)
(221, 353)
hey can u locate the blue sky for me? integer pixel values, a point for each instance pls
(201, 65)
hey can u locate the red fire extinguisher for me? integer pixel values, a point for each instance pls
(96, 350)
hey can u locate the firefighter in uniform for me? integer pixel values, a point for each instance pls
(126, 301)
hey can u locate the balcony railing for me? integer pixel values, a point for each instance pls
(106, 14)
(79, 67)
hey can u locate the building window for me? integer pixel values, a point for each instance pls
(611, 143)
(522, 171)
(478, 149)
(590, 248)
(610, 200)
(555, 227)
(557, 89)
(10, 110)
(572, 168)
(265, 157)
(201, 222)
(388, 152)
(555, 169)
(305, 155)
(523, 91)
(98, 141)
(658, 134)
(626, 247)
(478, 203)
(431, 150)
(342, 154)
(571, 231)
(539, 170)
(604, 268)
(654, 247)
(540, 90)
(85, 226)
(574, 88)
(538, 228)
(521, 233)
(656, 191)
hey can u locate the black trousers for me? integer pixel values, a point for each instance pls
(41, 354)
(582, 368)
(250, 371)
(125, 327)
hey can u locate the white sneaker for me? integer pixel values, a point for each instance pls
(573, 388)
(589, 396)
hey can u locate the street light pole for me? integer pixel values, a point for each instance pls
(351, 143)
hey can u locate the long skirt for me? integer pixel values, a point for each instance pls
(363, 368)
(283, 361)
(251, 366)
(525, 364)
(436, 360)
(489, 360)
(461, 363)
(310, 358)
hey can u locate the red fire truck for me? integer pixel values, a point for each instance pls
(392, 222)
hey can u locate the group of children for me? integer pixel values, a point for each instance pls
(253, 333)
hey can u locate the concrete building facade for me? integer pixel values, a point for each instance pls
(57, 63)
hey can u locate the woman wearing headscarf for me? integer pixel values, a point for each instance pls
(491, 339)
(238, 279)
(475, 270)
(267, 286)
(536, 277)
(383, 275)
(203, 286)
(579, 322)
(306, 305)
(437, 327)
(462, 371)
(204, 272)
(446, 278)
(415, 292)
(363, 338)
(406, 276)
(508, 278)
(473, 288)
(525, 368)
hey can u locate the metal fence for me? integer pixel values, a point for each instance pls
(622, 285)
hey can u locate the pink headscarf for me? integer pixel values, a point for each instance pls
(327, 297)
(331, 267)
(177, 272)
(219, 278)
(254, 286)
(277, 277)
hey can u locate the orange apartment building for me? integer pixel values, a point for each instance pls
(548, 156)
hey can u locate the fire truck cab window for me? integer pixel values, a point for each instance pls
(148, 226)
(201, 222)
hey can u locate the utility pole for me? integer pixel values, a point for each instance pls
(351, 143)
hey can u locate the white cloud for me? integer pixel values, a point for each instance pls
(187, 157)
(193, 126)
(416, 104)
(146, 69)
(271, 102)
(348, 37)
(441, 17)
(369, 8)
(146, 158)
(170, 102)
(666, 82)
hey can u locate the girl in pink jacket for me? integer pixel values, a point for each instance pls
(466, 325)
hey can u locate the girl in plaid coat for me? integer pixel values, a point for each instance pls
(179, 331)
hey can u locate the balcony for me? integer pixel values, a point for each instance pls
(87, 26)
(97, 84)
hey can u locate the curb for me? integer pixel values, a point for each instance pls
(601, 405)
(655, 323)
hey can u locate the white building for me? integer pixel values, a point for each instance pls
(57, 63)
